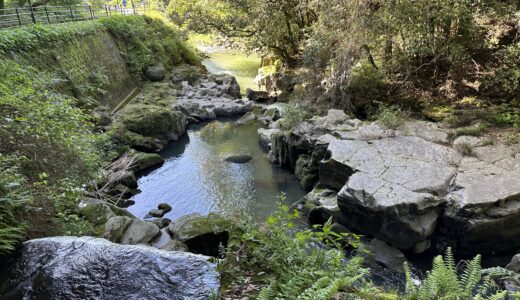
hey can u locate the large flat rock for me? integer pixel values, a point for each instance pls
(411, 187)
(93, 268)
(399, 180)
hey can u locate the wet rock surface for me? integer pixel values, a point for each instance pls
(93, 268)
(411, 187)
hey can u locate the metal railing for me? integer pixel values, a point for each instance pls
(28, 15)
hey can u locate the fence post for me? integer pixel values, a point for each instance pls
(18, 16)
(91, 13)
(47, 14)
(32, 13)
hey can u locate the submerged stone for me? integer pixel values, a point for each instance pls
(239, 159)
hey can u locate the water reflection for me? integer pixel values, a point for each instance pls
(195, 177)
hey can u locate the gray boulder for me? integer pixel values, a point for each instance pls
(202, 234)
(91, 268)
(514, 264)
(115, 228)
(140, 232)
(155, 73)
(378, 253)
(257, 96)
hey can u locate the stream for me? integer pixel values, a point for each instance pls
(196, 179)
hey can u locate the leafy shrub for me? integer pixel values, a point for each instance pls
(294, 266)
(46, 129)
(148, 40)
(443, 282)
(475, 130)
(294, 113)
(392, 117)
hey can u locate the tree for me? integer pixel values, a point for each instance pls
(266, 25)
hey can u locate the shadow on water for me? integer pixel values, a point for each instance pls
(196, 179)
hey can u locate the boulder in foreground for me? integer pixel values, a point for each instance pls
(92, 268)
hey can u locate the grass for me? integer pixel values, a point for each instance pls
(392, 117)
(466, 149)
(511, 139)
(475, 130)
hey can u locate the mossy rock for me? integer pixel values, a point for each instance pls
(153, 121)
(146, 161)
(115, 228)
(98, 211)
(140, 142)
(203, 234)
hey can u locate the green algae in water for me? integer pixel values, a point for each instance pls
(243, 67)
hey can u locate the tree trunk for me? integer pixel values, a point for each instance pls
(2, 6)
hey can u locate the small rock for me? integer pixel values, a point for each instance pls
(239, 159)
(381, 254)
(514, 264)
(128, 179)
(258, 96)
(155, 213)
(247, 118)
(155, 73)
(165, 207)
(175, 245)
(162, 222)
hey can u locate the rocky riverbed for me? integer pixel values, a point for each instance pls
(414, 187)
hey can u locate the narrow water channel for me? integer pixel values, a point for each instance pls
(195, 177)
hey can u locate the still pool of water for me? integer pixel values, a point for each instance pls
(195, 178)
(244, 67)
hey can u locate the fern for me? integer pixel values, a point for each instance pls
(12, 198)
(443, 282)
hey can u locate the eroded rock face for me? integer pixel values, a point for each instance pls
(211, 96)
(202, 234)
(411, 187)
(92, 268)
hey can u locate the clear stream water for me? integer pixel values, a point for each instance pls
(195, 178)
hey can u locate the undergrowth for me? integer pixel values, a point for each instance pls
(50, 81)
(274, 262)
(444, 282)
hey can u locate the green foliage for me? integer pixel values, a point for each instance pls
(504, 81)
(275, 26)
(13, 196)
(475, 130)
(51, 77)
(508, 118)
(149, 40)
(392, 117)
(41, 36)
(294, 113)
(294, 266)
(443, 282)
